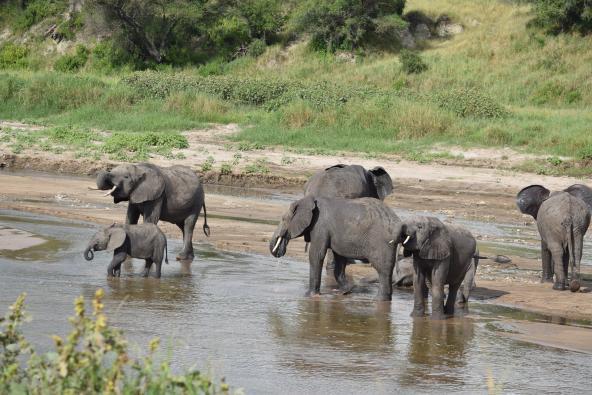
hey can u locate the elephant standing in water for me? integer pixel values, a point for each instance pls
(172, 194)
(352, 228)
(349, 182)
(562, 220)
(442, 254)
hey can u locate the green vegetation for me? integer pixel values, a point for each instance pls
(93, 358)
(558, 16)
(498, 83)
(73, 62)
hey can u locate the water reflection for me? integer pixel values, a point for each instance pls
(437, 351)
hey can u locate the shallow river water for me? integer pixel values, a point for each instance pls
(245, 317)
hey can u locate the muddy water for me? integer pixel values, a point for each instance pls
(245, 317)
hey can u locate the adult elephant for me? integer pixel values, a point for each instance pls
(172, 194)
(352, 228)
(350, 182)
(562, 220)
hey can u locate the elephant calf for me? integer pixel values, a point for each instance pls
(442, 254)
(144, 241)
(352, 228)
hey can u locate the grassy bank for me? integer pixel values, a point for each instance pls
(495, 84)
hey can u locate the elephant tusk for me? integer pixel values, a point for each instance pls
(93, 189)
(406, 240)
(111, 191)
(277, 244)
(391, 242)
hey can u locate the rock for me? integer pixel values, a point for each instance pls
(446, 28)
(407, 40)
(422, 32)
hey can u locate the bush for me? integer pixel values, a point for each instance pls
(13, 56)
(411, 62)
(38, 10)
(559, 16)
(256, 48)
(470, 102)
(73, 62)
(93, 358)
(67, 29)
(137, 146)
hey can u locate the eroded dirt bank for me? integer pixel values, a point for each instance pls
(243, 220)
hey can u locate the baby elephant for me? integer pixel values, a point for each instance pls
(442, 254)
(145, 241)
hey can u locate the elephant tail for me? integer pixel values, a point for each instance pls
(166, 251)
(206, 228)
(306, 247)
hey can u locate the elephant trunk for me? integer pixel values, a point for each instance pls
(89, 254)
(104, 180)
(278, 245)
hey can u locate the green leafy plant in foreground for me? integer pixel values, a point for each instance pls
(93, 358)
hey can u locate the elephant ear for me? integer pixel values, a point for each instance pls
(117, 237)
(382, 182)
(581, 192)
(438, 244)
(338, 166)
(148, 183)
(529, 199)
(302, 213)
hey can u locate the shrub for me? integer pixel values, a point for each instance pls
(72, 62)
(10, 86)
(13, 56)
(37, 10)
(411, 62)
(256, 48)
(67, 29)
(225, 169)
(559, 16)
(93, 358)
(470, 102)
(137, 146)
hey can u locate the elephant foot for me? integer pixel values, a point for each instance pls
(383, 298)
(312, 294)
(546, 280)
(559, 286)
(449, 311)
(145, 273)
(417, 313)
(186, 257)
(438, 316)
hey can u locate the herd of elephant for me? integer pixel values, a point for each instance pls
(342, 216)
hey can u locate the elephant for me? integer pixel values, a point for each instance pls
(352, 228)
(349, 182)
(562, 219)
(172, 194)
(442, 254)
(145, 241)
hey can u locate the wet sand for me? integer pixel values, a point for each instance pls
(243, 220)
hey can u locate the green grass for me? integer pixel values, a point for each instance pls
(496, 84)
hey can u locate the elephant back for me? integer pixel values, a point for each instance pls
(183, 186)
(340, 181)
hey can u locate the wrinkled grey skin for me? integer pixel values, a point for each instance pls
(562, 220)
(442, 254)
(349, 182)
(145, 241)
(352, 228)
(172, 194)
(403, 277)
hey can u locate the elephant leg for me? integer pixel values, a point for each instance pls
(147, 267)
(339, 264)
(547, 263)
(188, 226)
(557, 254)
(451, 299)
(385, 282)
(330, 261)
(158, 268)
(116, 261)
(419, 292)
(316, 256)
(439, 275)
(133, 214)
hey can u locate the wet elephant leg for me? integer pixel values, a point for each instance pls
(118, 258)
(419, 290)
(339, 264)
(330, 261)
(439, 275)
(188, 226)
(451, 300)
(557, 255)
(316, 256)
(385, 280)
(147, 267)
(547, 263)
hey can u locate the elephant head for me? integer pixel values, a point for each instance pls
(382, 182)
(529, 199)
(108, 238)
(134, 183)
(426, 236)
(295, 223)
